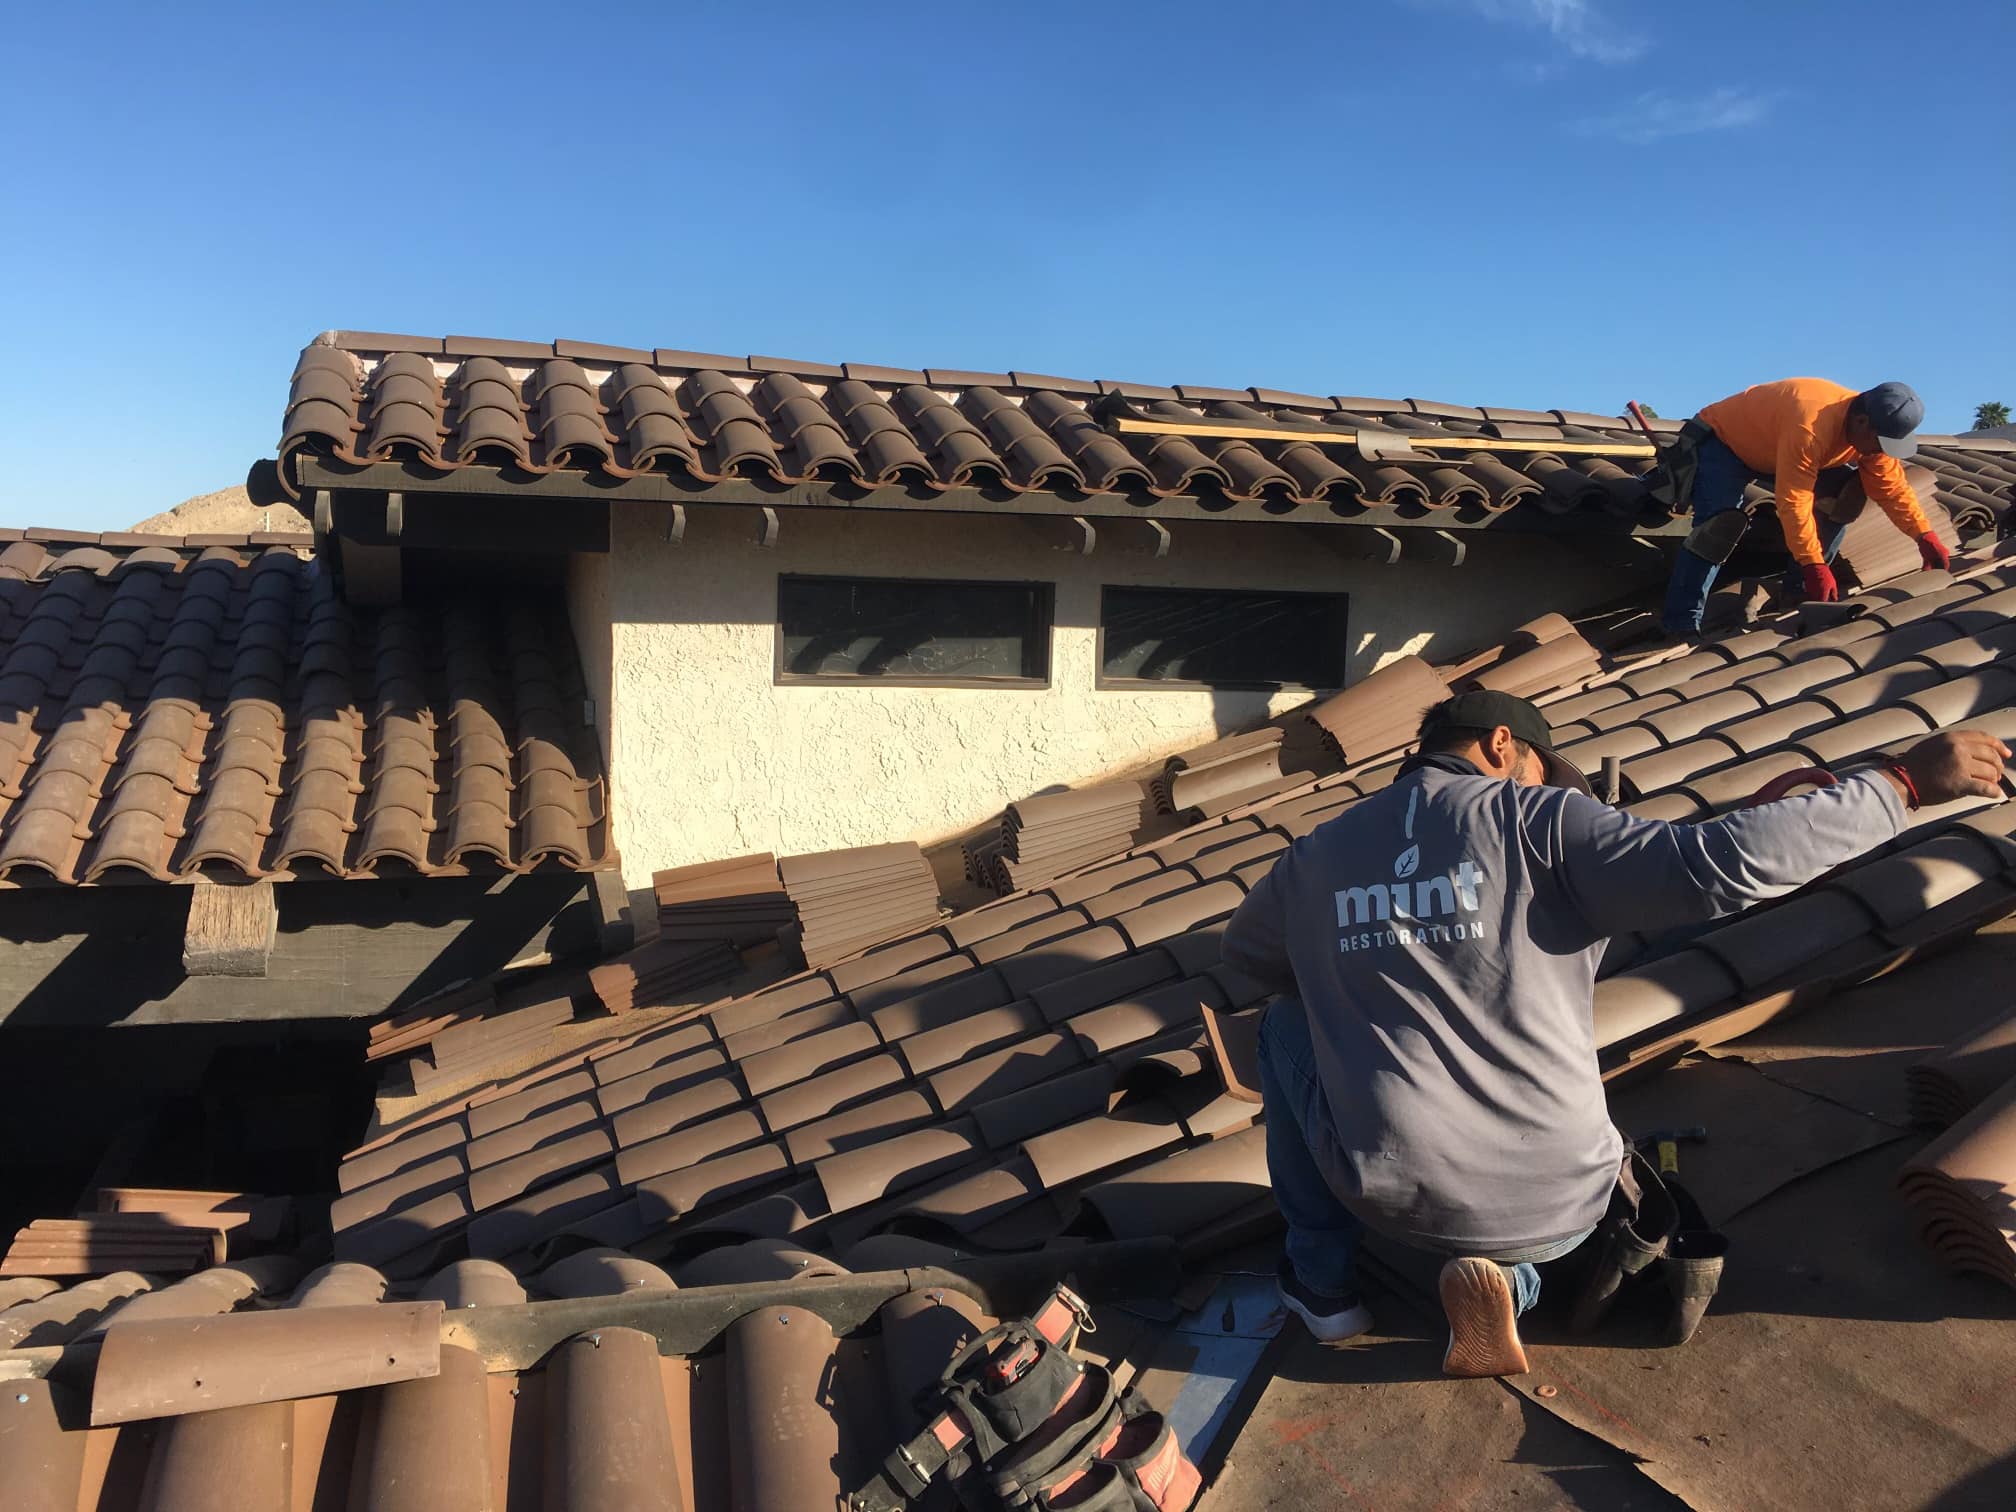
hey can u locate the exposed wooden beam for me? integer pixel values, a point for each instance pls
(231, 929)
(84, 957)
(1154, 538)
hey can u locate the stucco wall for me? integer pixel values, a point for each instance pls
(711, 758)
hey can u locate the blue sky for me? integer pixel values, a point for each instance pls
(1528, 202)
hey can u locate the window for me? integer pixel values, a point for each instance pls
(901, 630)
(1209, 638)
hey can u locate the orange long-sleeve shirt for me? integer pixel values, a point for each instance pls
(1793, 429)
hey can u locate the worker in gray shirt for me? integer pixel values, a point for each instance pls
(1430, 1071)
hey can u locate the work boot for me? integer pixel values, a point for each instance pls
(1483, 1322)
(1330, 1320)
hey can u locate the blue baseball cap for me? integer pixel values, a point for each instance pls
(1894, 410)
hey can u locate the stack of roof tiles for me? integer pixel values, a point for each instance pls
(847, 900)
(1040, 1064)
(1977, 486)
(172, 709)
(456, 1050)
(320, 1390)
(660, 971)
(1963, 1185)
(612, 413)
(1221, 776)
(95, 1243)
(414, 1028)
(247, 1220)
(1045, 836)
(1944, 1088)
(741, 901)
(1378, 712)
(1963, 1189)
(1546, 654)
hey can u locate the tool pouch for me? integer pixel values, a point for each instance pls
(1140, 1469)
(1693, 1265)
(1018, 1424)
(1716, 538)
(1671, 480)
(1635, 1232)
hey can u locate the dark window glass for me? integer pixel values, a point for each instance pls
(1222, 639)
(910, 631)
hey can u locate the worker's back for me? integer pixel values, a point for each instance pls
(1448, 987)
(1756, 422)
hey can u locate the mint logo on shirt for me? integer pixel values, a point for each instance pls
(1415, 902)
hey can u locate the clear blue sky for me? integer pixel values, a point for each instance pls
(1528, 202)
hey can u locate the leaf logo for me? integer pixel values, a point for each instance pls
(1407, 862)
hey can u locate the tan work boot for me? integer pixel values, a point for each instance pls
(1483, 1326)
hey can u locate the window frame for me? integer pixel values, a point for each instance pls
(1107, 683)
(1045, 611)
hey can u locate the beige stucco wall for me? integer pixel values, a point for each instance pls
(709, 757)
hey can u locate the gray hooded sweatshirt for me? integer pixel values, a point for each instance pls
(1443, 936)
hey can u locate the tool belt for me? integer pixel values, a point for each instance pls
(1671, 480)
(1653, 1246)
(1017, 1422)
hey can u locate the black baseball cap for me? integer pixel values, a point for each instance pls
(1894, 411)
(1485, 710)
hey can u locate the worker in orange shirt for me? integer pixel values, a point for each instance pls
(1791, 431)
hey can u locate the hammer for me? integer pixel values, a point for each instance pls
(1668, 1142)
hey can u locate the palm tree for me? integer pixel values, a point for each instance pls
(1987, 416)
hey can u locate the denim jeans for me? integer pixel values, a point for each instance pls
(1719, 481)
(1323, 1234)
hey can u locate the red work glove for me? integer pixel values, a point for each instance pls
(1934, 552)
(1820, 585)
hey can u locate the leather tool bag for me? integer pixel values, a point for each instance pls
(1655, 1242)
(1634, 1232)
(1671, 480)
(1017, 1422)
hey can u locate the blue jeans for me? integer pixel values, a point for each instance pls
(1719, 480)
(1323, 1234)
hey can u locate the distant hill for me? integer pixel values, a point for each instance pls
(228, 511)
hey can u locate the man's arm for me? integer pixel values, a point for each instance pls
(1622, 873)
(1256, 941)
(1793, 483)
(1884, 480)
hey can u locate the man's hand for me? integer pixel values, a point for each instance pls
(1956, 764)
(1820, 585)
(1932, 551)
